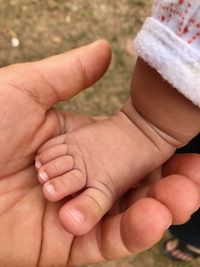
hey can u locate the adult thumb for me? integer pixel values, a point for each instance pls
(60, 77)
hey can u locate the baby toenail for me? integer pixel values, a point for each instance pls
(43, 176)
(38, 164)
(50, 188)
(77, 215)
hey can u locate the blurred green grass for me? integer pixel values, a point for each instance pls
(49, 27)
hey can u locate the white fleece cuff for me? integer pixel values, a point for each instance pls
(176, 60)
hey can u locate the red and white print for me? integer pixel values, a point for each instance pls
(181, 16)
(169, 41)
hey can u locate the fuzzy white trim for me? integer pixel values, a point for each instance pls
(177, 61)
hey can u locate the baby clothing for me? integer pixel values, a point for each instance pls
(169, 41)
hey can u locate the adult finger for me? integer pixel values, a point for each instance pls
(185, 167)
(179, 194)
(135, 230)
(185, 164)
(60, 77)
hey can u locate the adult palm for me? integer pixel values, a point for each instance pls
(31, 234)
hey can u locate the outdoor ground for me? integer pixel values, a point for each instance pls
(47, 27)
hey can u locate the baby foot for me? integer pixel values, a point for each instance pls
(100, 162)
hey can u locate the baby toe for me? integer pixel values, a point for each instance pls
(54, 168)
(52, 142)
(49, 154)
(64, 185)
(82, 213)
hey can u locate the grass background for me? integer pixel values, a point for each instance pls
(48, 27)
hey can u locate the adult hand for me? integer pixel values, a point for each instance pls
(31, 234)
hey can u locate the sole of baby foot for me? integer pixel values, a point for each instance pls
(179, 251)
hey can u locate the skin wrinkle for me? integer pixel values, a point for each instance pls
(99, 241)
(61, 120)
(86, 172)
(141, 130)
(82, 71)
(50, 86)
(94, 200)
(55, 167)
(115, 195)
(82, 157)
(86, 175)
(103, 193)
(69, 261)
(29, 148)
(22, 87)
(98, 184)
(118, 192)
(54, 112)
(153, 127)
(75, 176)
(12, 93)
(5, 193)
(103, 251)
(40, 127)
(17, 172)
(172, 143)
(98, 234)
(30, 95)
(4, 114)
(42, 235)
(63, 183)
(16, 201)
(123, 242)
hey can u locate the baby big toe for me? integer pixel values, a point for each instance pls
(63, 186)
(55, 168)
(82, 213)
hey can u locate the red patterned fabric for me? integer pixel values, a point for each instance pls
(169, 41)
(181, 16)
